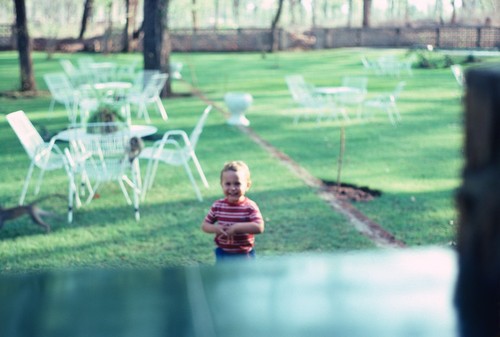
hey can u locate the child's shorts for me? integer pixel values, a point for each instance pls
(221, 255)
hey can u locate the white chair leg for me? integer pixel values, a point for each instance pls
(51, 106)
(146, 114)
(136, 180)
(39, 182)
(153, 173)
(72, 194)
(161, 108)
(124, 191)
(147, 177)
(200, 170)
(26, 183)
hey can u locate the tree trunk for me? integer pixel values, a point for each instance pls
(194, 15)
(349, 14)
(128, 31)
(407, 13)
(274, 42)
(453, 19)
(216, 15)
(313, 13)
(236, 12)
(87, 14)
(24, 48)
(367, 6)
(156, 42)
(293, 20)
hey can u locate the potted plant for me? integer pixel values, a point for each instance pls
(103, 119)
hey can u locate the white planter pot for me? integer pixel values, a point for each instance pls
(238, 103)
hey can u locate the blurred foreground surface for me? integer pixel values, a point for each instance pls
(377, 293)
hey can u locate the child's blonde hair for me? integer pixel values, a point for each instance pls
(236, 166)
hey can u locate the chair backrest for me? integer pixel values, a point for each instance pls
(155, 85)
(26, 132)
(458, 73)
(59, 86)
(198, 129)
(84, 62)
(68, 67)
(142, 78)
(398, 89)
(300, 90)
(294, 84)
(358, 82)
(127, 71)
(365, 62)
(105, 145)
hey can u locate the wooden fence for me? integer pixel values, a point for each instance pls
(463, 37)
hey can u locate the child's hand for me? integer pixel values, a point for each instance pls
(230, 231)
(220, 231)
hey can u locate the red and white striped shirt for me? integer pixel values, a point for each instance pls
(226, 214)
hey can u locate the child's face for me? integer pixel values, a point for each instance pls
(234, 185)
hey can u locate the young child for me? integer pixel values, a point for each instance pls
(235, 219)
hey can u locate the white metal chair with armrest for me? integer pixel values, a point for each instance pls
(304, 96)
(62, 92)
(170, 151)
(75, 75)
(387, 102)
(45, 156)
(106, 147)
(356, 94)
(150, 94)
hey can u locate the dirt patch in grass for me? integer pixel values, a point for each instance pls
(350, 192)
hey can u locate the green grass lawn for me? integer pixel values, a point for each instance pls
(416, 166)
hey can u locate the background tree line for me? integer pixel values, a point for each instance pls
(154, 18)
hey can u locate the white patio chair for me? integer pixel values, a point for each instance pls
(304, 96)
(105, 147)
(142, 77)
(386, 102)
(150, 94)
(126, 72)
(84, 62)
(176, 148)
(356, 95)
(44, 156)
(74, 74)
(370, 65)
(62, 92)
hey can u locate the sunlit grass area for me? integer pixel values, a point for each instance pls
(415, 165)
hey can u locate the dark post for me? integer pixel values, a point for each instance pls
(478, 200)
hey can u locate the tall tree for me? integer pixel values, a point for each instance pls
(128, 30)
(292, 6)
(350, 11)
(274, 24)
(194, 15)
(367, 8)
(216, 15)
(24, 47)
(156, 41)
(87, 13)
(453, 19)
(236, 12)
